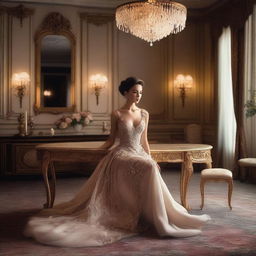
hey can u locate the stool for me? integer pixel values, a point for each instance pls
(216, 174)
(246, 162)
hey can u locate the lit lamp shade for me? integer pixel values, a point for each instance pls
(98, 81)
(20, 79)
(188, 81)
(182, 81)
(19, 82)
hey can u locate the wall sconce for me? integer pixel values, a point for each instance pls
(98, 82)
(20, 81)
(183, 83)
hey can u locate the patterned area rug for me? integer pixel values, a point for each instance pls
(229, 233)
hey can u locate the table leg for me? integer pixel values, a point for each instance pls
(187, 171)
(52, 184)
(45, 167)
(182, 177)
(208, 163)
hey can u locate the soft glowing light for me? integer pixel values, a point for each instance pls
(20, 81)
(47, 93)
(98, 82)
(183, 82)
(151, 20)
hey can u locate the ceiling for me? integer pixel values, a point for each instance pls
(191, 4)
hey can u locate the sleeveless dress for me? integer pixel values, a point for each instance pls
(124, 195)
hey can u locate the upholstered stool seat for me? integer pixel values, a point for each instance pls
(247, 162)
(216, 174)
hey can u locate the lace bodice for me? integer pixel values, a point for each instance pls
(130, 135)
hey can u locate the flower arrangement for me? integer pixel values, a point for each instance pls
(82, 118)
(250, 108)
(250, 105)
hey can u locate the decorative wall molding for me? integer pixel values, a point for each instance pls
(55, 22)
(2, 59)
(104, 27)
(97, 19)
(20, 12)
(9, 111)
(91, 29)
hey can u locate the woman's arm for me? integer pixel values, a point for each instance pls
(113, 132)
(144, 136)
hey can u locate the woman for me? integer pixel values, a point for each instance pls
(124, 196)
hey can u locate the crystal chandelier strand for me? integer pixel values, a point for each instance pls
(151, 20)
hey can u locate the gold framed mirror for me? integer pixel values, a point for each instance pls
(55, 65)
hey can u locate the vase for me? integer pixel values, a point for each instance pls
(78, 127)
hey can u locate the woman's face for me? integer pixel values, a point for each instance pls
(134, 94)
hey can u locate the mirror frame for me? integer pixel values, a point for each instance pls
(53, 24)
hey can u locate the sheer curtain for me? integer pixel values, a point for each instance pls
(250, 80)
(226, 115)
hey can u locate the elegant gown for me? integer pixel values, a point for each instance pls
(125, 195)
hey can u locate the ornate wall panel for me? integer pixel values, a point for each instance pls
(2, 61)
(96, 52)
(184, 62)
(101, 48)
(209, 103)
(18, 54)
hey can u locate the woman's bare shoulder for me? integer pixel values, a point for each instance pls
(145, 112)
(115, 113)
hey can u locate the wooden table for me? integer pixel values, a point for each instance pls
(187, 154)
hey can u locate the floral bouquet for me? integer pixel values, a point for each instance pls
(79, 118)
(250, 108)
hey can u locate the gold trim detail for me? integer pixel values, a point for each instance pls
(201, 156)
(167, 157)
(20, 12)
(57, 24)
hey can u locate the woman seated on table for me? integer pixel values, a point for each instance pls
(124, 196)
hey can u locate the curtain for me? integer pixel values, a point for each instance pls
(226, 116)
(250, 80)
(238, 91)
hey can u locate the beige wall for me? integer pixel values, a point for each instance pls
(104, 49)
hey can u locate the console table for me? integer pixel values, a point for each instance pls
(187, 154)
(18, 155)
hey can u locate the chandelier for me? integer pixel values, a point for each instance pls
(151, 20)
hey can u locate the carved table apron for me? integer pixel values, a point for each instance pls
(186, 154)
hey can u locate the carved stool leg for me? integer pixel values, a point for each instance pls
(202, 192)
(230, 190)
(45, 167)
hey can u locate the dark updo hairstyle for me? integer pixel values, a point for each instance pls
(128, 83)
